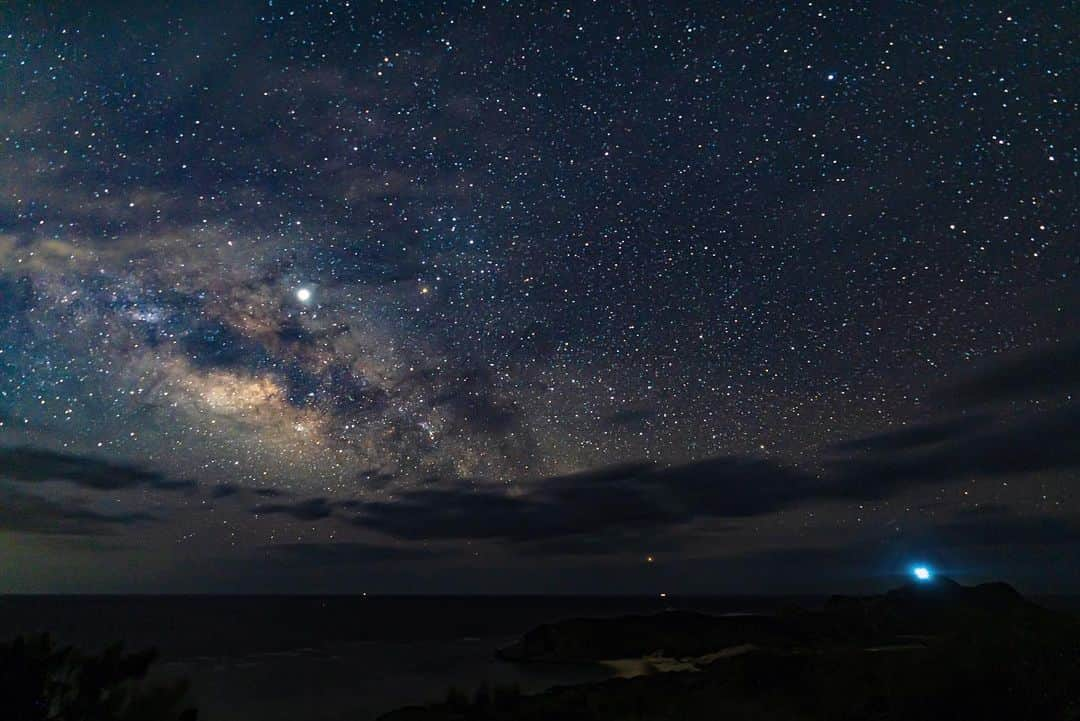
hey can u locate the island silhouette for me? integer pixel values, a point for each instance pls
(931, 649)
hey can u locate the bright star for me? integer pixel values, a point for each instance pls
(922, 573)
(303, 295)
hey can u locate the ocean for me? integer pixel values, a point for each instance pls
(334, 658)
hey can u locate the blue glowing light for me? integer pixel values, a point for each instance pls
(922, 573)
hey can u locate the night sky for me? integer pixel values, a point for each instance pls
(575, 298)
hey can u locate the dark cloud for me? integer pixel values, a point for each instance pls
(736, 486)
(310, 509)
(334, 554)
(31, 465)
(224, 490)
(25, 513)
(915, 436)
(185, 485)
(613, 499)
(454, 514)
(1049, 371)
(593, 512)
(235, 491)
(375, 479)
(979, 445)
(1040, 442)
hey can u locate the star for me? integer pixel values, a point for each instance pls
(438, 296)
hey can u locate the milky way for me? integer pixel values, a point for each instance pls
(417, 296)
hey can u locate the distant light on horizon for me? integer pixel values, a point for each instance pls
(922, 573)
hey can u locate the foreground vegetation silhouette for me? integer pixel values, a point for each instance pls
(41, 681)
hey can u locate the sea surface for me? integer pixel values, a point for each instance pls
(336, 658)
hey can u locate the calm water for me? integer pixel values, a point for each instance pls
(329, 658)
